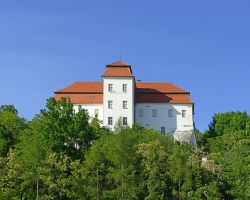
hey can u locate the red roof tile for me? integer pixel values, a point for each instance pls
(92, 92)
(118, 69)
(118, 64)
(83, 87)
(143, 87)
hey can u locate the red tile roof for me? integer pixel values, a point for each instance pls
(92, 92)
(118, 69)
(144, 87)
(118, 64)
(160, 93)
(83, 87)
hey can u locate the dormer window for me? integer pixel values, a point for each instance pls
(110, 87)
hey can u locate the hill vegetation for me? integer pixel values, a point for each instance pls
(61, 155)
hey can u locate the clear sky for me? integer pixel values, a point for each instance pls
(201, 46)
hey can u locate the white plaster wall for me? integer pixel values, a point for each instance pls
(91, 110)
(118, 96)
(176, 123)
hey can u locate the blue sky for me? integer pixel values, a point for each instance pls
(201, 46)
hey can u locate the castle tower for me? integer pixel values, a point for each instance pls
(118, 94)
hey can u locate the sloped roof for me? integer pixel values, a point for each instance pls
(82, 87)
(92, 92)
(145, 87)
(118, 69)
(118, 64)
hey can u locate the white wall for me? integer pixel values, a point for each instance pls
(176, 123)
(118, 96)
(91, 109)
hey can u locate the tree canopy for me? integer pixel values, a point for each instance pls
(62, 154)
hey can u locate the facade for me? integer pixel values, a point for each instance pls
(162, 106)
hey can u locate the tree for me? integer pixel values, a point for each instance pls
(8, 108)
(10, 177)
(155, 170)
(11, 126)
(227, 145)
(229, 122)
(66, 131)
(55, 173)
(235, 167)
(30, 154)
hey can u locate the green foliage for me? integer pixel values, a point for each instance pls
(10, 177)
(155, 169)
(64, 130)
(10, 127)
(235, 168)
(54, 175)
(227, 144)
(8, 108)
(199, 138)
(61, 154)
(229, 122)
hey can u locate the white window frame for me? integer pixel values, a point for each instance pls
(110, 87)
(124, 87)
(110, 121)
(125, 104)
(154, 112)
(110, 104)
(170, 113)
(140, 112)
(184, 113)
(125, 121)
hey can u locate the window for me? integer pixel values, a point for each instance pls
(170, 113)
(154, 113)
(184, 113)
(96, 112)
(163, 130)
(147, 125)
(140, 112)
(124, 120)
(110, 120)
(110, 104)
(110, 87)
(124, 87)
(125, 105)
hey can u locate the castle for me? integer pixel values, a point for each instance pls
(161, 106)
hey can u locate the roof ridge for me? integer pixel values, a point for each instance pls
(118, 63)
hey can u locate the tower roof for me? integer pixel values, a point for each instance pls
(118, 64)
(118, 69)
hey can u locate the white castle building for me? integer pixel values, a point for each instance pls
(162, 106)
